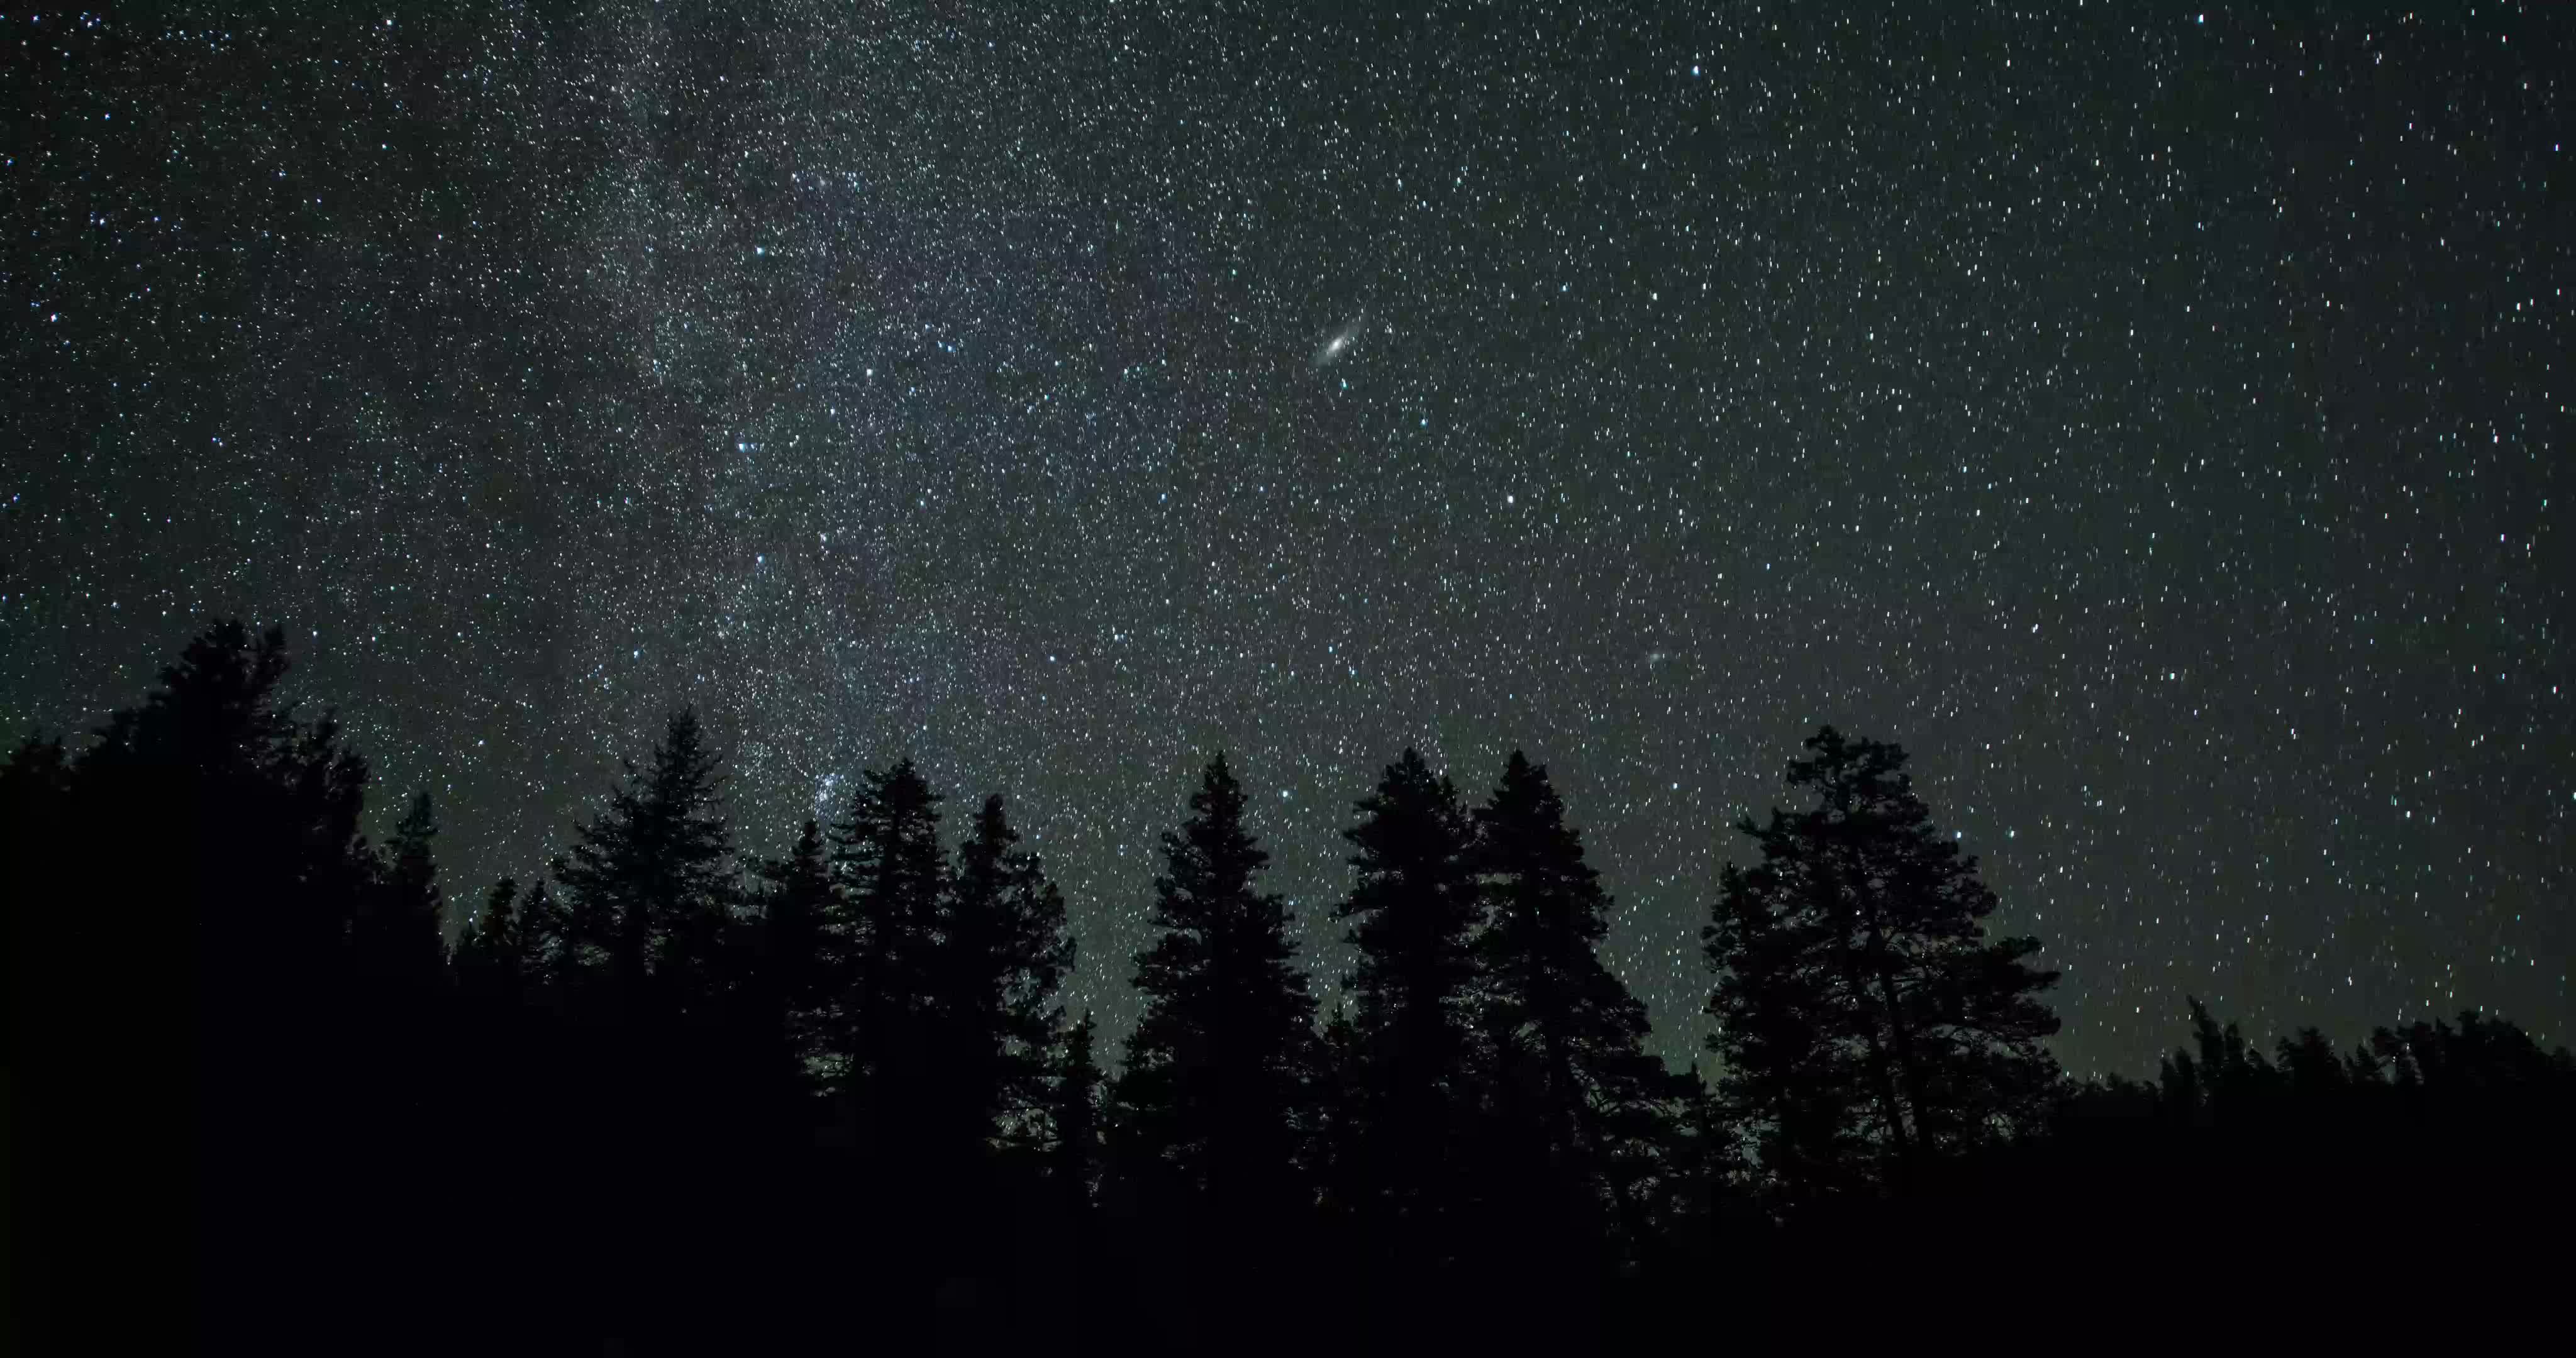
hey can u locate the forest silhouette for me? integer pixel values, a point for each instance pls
(664, 1096)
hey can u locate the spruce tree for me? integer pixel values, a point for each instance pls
(1867, 1022)
(1338, 1154)
(2312, 1065)
(1593, 1103)
(1000, 955)
(396, 932)
(260, 809)
(892, 872)
(263, 807)
(225, 956)
(1073, 1120)
(550, 943)
(1213, 1098)
(652, 882)
(490, 956)
(788, 971)
(1414, 912)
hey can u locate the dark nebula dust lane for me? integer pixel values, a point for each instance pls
(2154, 420)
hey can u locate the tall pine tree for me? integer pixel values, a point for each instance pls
(194, 978)
(396, 932)
(1578, 1090)
(892, 874)
(788, 972)
(653, 881)
(1002, 951)
(1867, 1022)
(491, 958)
(1073, 1121)
(1414, 912)
(1213, 1099)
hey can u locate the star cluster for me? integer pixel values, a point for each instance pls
(2154, 419)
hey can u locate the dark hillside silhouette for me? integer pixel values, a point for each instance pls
(668, 1097)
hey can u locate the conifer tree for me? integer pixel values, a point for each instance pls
(2312, 1065)
(1338, 1156)
(1001, 953)
(1073, 1119)
(788, 971)
(550, 943)
(1414, 911)
(891, 871)
(396, 931)
(1213, 1093)
(267, 870)
(490, 956)
(225, 954)
(1867, 1022)
(1595, 1104)
(2231, 1072)
(651, 883)
(266, 808)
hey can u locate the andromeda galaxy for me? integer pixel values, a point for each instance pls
(1340, 341)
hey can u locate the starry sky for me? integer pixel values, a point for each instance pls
(2153, 417)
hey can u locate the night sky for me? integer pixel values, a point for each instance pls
(2152, 418)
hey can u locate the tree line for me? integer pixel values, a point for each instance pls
(668, 1095)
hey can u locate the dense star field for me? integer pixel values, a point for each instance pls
(2153, 419)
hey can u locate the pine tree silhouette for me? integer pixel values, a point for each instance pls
(1213, 1102)
(491, 957)
(1000, 955)
(1592, 1103)
(1338, 1155)
(1073, 1121)
(652, 883)
(1867, 1023)
(550, 941)
(892, 873)
(396, 933)
(222, 1064)
(636, 1060)
(788, 975)
(1414, 912)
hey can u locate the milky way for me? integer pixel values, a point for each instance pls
(2154, 420)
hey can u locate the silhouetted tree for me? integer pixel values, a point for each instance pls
(892, 873)
(396, 931)
(1213, 1099)
(2311, 1156)
(2311, 1064)
(1414, 911)
(261, 989)
(1337, 1156)
(1867, 1023)
(788, 973)
(491, 958)
(652, 882)
(550, 947)
(1073, 1120)
(1001, 953)
(1592, 1105)
(214, 1059)
(2481, 1055)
